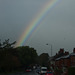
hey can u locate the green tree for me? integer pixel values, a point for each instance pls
(71, 71)
(26, 55)
(43, 59)
(8, 56)
(6, 44)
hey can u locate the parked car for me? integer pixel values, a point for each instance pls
(49, 73)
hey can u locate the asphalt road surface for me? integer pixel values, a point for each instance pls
(25, 73)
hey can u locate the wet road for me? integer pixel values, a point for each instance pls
(25, 73)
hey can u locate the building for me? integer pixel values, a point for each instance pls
(66, 60)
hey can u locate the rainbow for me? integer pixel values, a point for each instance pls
(36, 22)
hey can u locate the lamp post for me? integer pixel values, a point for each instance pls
(51, 48)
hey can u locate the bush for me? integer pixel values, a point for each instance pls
(71, 71)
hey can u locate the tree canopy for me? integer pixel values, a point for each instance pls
(27, 55)
(43, 59)
(14, 58)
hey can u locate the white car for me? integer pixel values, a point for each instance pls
(43, 70)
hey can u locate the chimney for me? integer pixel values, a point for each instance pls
(74, 50)
(66, 53)
(61, 50)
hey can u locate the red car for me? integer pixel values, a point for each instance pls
(28, 70)
(49, 73)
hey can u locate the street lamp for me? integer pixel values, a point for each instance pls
(51, 48)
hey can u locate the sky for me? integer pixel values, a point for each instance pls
(57, 27)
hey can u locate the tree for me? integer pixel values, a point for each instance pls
(6, 44)
(13, 58)
(26, 55)
(8, 59)
(43, 59)
(71, 71)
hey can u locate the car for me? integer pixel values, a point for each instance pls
(28, 70)
(49, 73)
(38, 70)
(43, 70)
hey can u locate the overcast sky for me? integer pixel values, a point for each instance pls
(57, 28)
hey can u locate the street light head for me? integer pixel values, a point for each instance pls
(47, 44)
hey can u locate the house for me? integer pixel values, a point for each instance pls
(72, 58)
(66, 61)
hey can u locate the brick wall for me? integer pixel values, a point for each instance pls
(72, 58)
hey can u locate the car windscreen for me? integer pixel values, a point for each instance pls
(44, 69)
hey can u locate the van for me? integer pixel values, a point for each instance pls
(43, 70)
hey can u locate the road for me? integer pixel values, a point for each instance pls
(25, 73)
